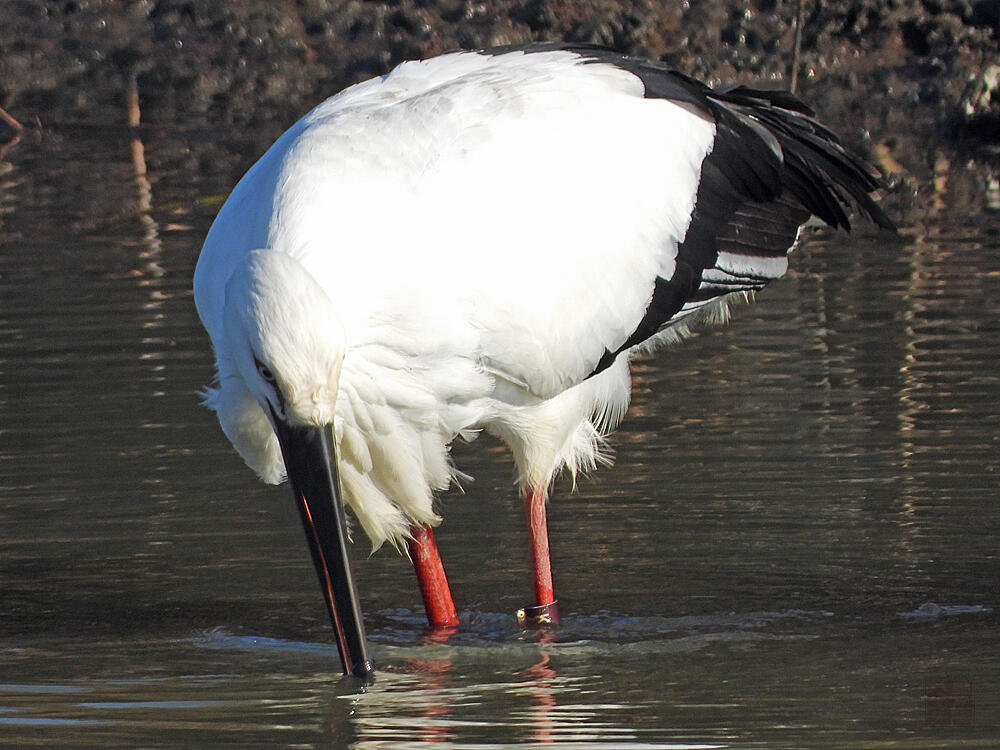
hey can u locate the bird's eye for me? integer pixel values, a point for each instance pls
(265, 372)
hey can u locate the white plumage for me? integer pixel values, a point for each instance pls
(474, 256)
(480, 241)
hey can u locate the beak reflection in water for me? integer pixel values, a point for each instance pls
(311, 463)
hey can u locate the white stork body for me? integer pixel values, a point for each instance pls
(480, 241)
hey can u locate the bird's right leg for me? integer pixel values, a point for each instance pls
(431, 577)
(546, 609)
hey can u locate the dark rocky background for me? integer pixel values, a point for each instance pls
(911, 83)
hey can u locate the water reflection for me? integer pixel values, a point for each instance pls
(537, 706)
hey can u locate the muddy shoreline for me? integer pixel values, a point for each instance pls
(912, 84)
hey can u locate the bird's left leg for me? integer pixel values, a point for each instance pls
(546, 609)
(431, 577)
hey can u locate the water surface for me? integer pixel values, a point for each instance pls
(795, 548)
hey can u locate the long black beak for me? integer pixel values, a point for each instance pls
(311, 463)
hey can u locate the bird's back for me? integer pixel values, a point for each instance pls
(528, 195)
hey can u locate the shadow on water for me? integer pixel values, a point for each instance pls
(795, 548)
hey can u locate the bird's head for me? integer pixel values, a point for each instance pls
(286, 342)
(285, 338)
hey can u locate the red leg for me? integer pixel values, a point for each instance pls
(431, 577)
(546, 610)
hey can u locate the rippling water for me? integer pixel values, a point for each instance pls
(795, 548)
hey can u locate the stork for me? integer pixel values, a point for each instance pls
(482, 241)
